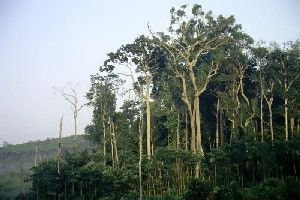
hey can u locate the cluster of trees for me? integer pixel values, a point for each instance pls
(213, 115)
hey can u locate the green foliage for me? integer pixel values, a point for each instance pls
(198, 189)
(201, 58)
(268, 189)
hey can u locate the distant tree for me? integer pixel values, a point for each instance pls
(5, 143)
(71, 96)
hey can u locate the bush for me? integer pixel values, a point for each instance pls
(198, 189)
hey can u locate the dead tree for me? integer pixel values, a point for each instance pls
(71, 96)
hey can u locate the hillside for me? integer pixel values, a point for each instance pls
(16, 161)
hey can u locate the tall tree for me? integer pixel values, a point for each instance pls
(287, 65)
(140, 56)
(193, 45)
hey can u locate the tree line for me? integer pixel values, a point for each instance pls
(212, 115)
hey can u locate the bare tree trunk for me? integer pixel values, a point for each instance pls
(36, 156)
(186, 131)
(298, 125)
(59, 145)
(198, 135)
(177, 132)
(286, 119)
(104, 140)
(193, 131)
(292, 123)
(140, 154)
(148, 118)
(198, 126)
(261, 117)
(217, 122)
(221, 126)
(271, 121)
(111, 143)
(75, 123)
(115, 143)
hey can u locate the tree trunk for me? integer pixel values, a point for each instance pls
(177, 131)
(140, 155)
(75, 123)
(193, 131)
(104, 140)
(186, 131)
(59, 145)
(286, 119)
(198, 135)
(115, 143)
(292, 123)
(198, 126)
(261, 117)
(271, 121)
(111, 143)
(217, 122)
(148, 118)
(298, 125)
(222, 126)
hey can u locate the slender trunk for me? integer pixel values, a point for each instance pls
(177, 132)
(217, 123)
(271, 122)
(148, 118)
(286, 119)
(298, 125)
(36, 156)
(261, 117)
(104, 140)
(221, 126)
(75, 123)
(59, 145)
(232, 134)
(115, 143)
(140, 155)
(292, 123)
(111, 143)
(186, 131)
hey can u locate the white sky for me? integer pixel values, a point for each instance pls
(50, 43)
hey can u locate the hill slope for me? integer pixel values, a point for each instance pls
(16, 161)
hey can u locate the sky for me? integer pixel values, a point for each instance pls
(45, 44)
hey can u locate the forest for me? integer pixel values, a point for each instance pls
(200, 111)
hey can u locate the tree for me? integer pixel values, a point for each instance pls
(286, 63)
(194, 47)
(71, 96)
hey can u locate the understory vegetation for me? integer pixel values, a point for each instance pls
(208, 113)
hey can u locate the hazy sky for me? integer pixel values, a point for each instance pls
(50, 43)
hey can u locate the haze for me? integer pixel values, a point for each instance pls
(50, 43)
